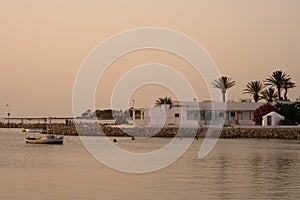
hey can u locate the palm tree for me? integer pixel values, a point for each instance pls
(277, 80)
(287, 84)
(254, 88)
(162, 101)
(269, 95)
(223, 83)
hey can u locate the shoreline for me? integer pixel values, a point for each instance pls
(259, 132)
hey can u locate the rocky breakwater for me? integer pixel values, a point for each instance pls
(94, 129)
(262, 132)
(108, 130)
(151, 132)
(237, 132)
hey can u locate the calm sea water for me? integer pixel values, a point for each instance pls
(235, 169)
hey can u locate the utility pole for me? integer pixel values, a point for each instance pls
(8, 115)
(133, 111)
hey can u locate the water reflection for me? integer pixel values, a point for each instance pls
(235, 169)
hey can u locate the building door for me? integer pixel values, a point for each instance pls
(177, 119)
(269, 120)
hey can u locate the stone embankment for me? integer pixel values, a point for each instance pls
(108, 130)
(267, 133)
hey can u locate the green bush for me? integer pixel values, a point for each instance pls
(285, 122)
(291, 112)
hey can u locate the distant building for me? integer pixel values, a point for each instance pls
(272, 119)
(200, 113)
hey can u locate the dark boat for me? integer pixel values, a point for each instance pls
(40, 136)
(47, 139)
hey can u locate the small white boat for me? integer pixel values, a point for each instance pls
(42, 136)
(45, 139)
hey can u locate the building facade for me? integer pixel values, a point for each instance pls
(199, 113)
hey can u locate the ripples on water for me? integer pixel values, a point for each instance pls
(235, 169)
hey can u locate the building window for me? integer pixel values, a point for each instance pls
(202, 115)
(232, 114)
(208, 115)
(176, 114)
(192, 115)
(221, 115)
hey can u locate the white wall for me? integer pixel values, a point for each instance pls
(274, 121)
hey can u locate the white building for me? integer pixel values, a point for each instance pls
(200, 113)
(272, 119)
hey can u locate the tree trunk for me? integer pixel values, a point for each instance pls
(224, 96)
(279, 93)
(285, 94)
(256, 97)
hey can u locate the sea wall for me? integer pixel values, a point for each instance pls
(267, 133)
(108, 130)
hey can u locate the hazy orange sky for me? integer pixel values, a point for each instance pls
(43, 44)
